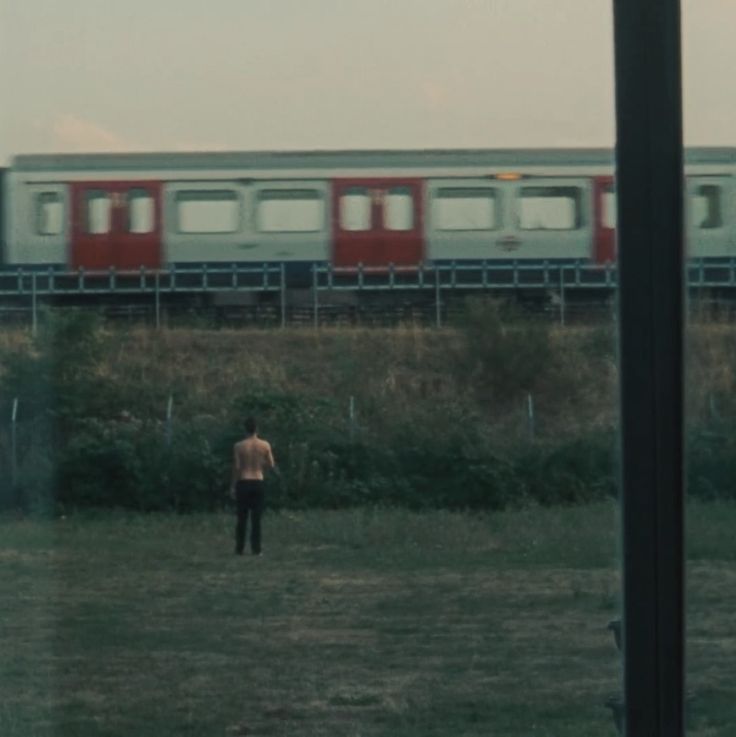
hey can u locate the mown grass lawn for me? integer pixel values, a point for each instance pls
(355, 623)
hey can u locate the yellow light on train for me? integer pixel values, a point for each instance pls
(509, 176)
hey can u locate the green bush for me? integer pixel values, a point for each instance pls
(131, 465)
(57, 377)
(571, 472)
(711, 461)
(509, 354)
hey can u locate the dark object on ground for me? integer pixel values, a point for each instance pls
(615, 626)
(618, 711)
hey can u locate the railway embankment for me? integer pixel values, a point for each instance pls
(493, 411)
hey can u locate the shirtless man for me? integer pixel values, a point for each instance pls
(251, 456)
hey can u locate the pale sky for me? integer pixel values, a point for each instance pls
(153, 75)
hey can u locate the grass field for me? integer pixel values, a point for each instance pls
(356, 623)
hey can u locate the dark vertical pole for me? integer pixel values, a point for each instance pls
(315, 295)
(14, 444)
(650, 231)
(157, 287)
(34, 306)
(282, 290)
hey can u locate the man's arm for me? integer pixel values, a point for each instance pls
(270, 461)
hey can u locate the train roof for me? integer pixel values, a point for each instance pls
(346, 159)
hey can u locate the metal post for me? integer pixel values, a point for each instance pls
(351, 414)
(169, 423)
(283, 295)
(530, 415)
(14, 444)
(34, 306)
(315, 298)
(562, 296)
(650, 232)
(157, 288)
(437, 305)
(712, 407)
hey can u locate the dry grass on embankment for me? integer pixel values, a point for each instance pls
(571, 374)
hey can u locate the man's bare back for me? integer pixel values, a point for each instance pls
(251, 457)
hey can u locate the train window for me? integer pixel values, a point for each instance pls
(49, 213)
(98, 212)
(706, 207)
(549, 208)
(398, 209)
(608, 214)
(140, 211)
(464, 208)
(355, 209)
(290, 211)
(208, 211)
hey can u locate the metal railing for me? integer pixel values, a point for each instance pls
(562, 279)
(323, 277)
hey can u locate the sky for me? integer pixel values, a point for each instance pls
(180, 75)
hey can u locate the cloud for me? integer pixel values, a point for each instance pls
(72, 133)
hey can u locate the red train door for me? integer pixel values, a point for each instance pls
(604, 230)
(116, 224)
(377, 222)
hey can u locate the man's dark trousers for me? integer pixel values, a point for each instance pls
(248, 499)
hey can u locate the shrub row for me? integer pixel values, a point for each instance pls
(76, 449)
(134, 465)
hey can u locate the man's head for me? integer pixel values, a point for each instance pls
(250, 425)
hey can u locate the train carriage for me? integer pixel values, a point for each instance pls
(369, 208)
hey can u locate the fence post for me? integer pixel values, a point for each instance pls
(14, 444)
(157, 287)
(530, 415)
(315, 297)
(169, 412)
(34, 306)
(714, 414)
(437, 305)
(351, 415)
(283, 295)
(562, 296)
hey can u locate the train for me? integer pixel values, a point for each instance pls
(348, 209)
